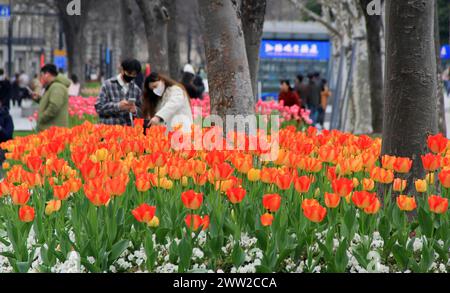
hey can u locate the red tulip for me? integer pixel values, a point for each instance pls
(192, 200)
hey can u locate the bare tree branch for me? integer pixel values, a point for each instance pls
(316, 17)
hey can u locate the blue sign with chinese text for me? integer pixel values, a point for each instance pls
(445, 52)
(319, 50)
(5, 11)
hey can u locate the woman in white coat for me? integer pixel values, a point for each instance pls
(166, 102)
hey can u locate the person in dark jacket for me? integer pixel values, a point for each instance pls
(6, 128)
(301, 88)
(314, 97)
(5, 89)
(288, 95)
(192, 82)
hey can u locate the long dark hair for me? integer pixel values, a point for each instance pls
(150, 100)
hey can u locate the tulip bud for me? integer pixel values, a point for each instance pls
(317, 192)
(430, 178)
(421, 185)
(154, 222)
(184, 181)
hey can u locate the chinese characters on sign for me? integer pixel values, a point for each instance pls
(295, 49)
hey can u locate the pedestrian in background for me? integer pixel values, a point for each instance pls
(5, 89)
(74, 88)
(166, 102)
(288, 95)
(301, 88)
(120, 96)
(54, 104)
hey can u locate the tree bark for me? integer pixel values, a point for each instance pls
(373, 28)
(410, 84)
(227, 62)
(128, 44)
(440, 85)
(173, 39)
(156, 19)
(73, 27)
(253, 13)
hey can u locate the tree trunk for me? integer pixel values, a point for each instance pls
(359, 111)
(253, 13)
(440, 85)
(73, 27)
(227, 63)
(173, 39)
(156, 19)
(373, 27)
(128, 44)
(410, 85)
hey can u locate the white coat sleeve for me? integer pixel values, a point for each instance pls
(175, 102)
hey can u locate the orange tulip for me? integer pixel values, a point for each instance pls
(302, 184)
(438, 204)
(61, 192)
(272, 202)
(116, 186)
(431, 162)
(34, 163)
(314, 212)
(144, 213)
(444, 178)
(308, 202)
(368, 184)
(331, 173)
(144, 181)
(192, 200)
(388, 162)
(332, 200)
(283, 181)
(363, 199)
(97, 197)
(20, 195)
(200, 180)
(437, 143)
(406, 203)
(194, 222)
(342, 186)
(90, 170)
(4, 188)
(399, 185)
(403, 165)
(254, 175)
(382, 175)
(328, 154)
(373, 208)
(222, 171)
(266, 219)
(52, 207)
(267, 175)
(421, 185)
(75, 184)
(236, 195)
(26, 214)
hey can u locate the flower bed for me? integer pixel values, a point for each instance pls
(80, 110)
(109, 199)
(288, 115)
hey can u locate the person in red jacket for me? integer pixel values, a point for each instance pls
(288, 95)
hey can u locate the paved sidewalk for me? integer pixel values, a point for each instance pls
(21, 123)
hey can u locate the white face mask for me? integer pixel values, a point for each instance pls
(159, 90)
